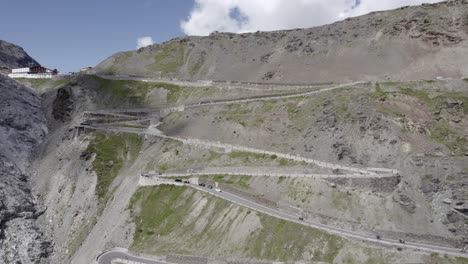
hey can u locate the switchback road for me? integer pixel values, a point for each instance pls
(371, 238)
(122, 256)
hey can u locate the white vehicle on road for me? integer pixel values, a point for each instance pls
(218, 190)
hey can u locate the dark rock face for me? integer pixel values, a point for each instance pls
(62, 105)
(22, 128)
(12, 56)
(22, 123)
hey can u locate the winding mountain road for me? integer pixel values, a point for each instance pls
(108, 257)
(235, 172)
(230, 147)
(371, 238)
(122, 256)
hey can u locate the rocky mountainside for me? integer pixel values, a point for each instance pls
(23, 127)
(12, 56)
(81, 147)
(421, 42)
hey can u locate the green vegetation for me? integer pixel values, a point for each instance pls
(379, 93)
(164, 212)
(195, 68)
(281, 179)
(437, 101)
(134, 92)
(237, 113)
(169, 58)
(248, 156)
(80, 235)
(293, 110)
(236, 181)
(164, 167)
(129, 126)
(341, 201)
(283, 241)
(214, 155)
(441, 131)
(437, 258)
(111, 154)
(44, 85)
(283, 162)
(443, 134)
(157, 214)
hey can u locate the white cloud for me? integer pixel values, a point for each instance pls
(144, 41)
(252, 15)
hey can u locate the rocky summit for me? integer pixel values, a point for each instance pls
(405, 44)
(12, 56)
(344, 143)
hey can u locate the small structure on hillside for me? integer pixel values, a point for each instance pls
(34, 72)
(85, 69)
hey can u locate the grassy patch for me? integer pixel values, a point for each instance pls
(236, 113)
(437, 258)
(196, 67)
(111, 153)
(164, 167)
(169, 58)
(341, 201)
(44, 85)
(134, 92)
(80, 235)
(247, 156)
(281, 179)
(293, 110)
(157, 215)
(237, 181)
(379, 93)
(283, 241)
(162, 213)
(443, 134)
(283, 162)
(437, 101)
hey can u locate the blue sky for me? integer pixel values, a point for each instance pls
(68, 35)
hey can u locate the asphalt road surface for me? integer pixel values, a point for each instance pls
(331, 229)
(115, 255)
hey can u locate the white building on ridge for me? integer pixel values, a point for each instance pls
(35, 72)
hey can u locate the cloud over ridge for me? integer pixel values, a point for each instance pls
(251, 15)
(144, 41)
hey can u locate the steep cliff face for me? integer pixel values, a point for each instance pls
(409, 43)
(22, 128)
(12, 56)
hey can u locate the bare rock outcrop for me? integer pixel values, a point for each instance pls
(418, 42)
(22, 128)
(12, 56)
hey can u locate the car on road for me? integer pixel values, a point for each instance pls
(178, 180)
(187, 182)
(378, 237)
(202, 184)
(301, 218)
(210, 187)
(401, 241)
(218, 190)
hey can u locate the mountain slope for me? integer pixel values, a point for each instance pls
(12, 56)
(22, 128)
(409, 43)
